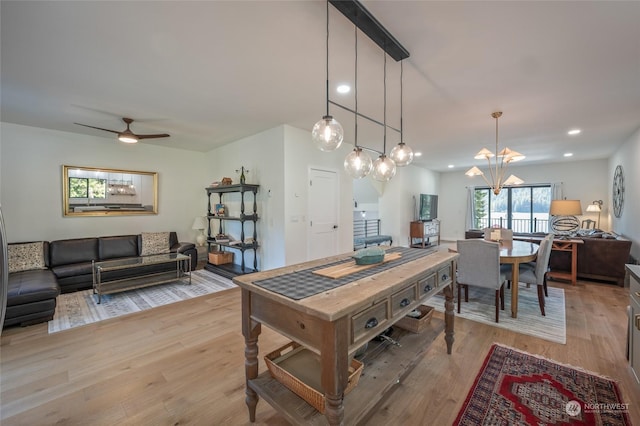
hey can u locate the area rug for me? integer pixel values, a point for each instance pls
(481, 308)
(517, 388)
(81, 307)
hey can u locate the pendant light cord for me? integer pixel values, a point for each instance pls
(356, 81)
(327, 47)
(384, 140)
(401, 73)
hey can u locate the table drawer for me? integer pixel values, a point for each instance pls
(425, 285)
(371, 319)
(634, 288)
(402, 299)
(444, 275)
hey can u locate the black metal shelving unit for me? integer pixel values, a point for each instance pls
(230, 270)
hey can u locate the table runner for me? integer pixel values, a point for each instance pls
(300, 284)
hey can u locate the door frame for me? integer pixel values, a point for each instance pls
(337, 201)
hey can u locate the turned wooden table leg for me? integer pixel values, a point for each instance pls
(335, 372)
(449, 316)
(251, 331)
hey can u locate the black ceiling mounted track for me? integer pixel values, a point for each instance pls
(368, 24)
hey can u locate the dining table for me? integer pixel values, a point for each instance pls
(514, 253)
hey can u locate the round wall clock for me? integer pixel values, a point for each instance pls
(618, 191)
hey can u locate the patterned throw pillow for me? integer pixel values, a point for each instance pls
(155, 243)
(26, 256)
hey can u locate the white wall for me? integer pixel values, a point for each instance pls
(301, 155)
(628, 156)
(31, 191)
(263, 155)
(397, 200)
(279, 160)
(582, 180)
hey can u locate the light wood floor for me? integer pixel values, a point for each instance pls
(182, 364)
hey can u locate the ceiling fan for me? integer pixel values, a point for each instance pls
(127, 136)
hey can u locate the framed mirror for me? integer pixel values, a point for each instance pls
(91, 191)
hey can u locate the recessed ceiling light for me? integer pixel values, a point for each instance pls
(451, 166)
(417, 154)
(568, 154)
(574, 132)
(343, 88)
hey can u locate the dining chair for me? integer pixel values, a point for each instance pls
(479, 266)
(536, 272)
(505, 234)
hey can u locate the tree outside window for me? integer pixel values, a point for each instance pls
(523, 208)
(87, 188)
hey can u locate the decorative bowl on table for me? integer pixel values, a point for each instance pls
(369, 256)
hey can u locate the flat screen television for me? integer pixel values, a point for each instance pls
(428, 207)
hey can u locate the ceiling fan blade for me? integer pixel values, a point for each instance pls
(161, 135)
(98, 128)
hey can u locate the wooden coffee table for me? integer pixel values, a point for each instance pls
(105, 274)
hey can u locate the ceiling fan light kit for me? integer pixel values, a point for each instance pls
(127, 136)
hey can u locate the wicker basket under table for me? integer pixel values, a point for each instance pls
(298, 369)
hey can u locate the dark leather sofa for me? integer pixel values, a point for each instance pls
(599, 258)
(32, 294)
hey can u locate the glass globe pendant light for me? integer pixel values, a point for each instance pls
(384, 168)
(401, 154)
(358, 163)
(327, 133)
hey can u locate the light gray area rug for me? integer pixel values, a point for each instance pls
(81, 307)
(481, 308)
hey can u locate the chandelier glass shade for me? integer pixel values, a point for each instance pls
(497, 171)
(327, 134)
(401, 154)
(384, 168)
(358, 163)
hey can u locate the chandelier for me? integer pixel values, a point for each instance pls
(328, 134)
(498, 170)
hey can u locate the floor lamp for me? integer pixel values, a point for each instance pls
(596, 206)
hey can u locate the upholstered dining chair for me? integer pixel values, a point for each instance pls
(505, 234)
(479, 266)
(536, 272)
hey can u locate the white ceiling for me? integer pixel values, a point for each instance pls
(211, 72)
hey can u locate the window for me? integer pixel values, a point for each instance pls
(87, 187)
(521, 208)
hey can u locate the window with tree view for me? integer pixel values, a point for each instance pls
(87, 187)
(521, 208)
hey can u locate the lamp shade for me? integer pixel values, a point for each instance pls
(565, 208)
(200, 222)
(593, 208)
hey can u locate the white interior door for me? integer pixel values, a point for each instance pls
(323, 214)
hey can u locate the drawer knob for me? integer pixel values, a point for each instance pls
(445, 277)
(427, 287)
(404, 302)
(371, 323)
(637, 317)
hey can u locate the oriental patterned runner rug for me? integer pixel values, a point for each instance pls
(81, 307)
(516, 388)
